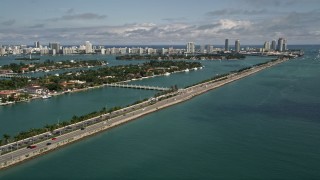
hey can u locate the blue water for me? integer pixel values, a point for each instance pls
(265, 126)
(35, 114)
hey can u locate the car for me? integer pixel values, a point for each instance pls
(49, 143)
(31, 146)
(83, 128)
(53, 139)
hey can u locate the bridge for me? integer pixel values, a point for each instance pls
(13, 76)
(138, 87)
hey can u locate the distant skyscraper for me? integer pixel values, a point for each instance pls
(226, 45)
(280, 44)
(266, 46)
(55, 46)
(190, 47)
(273, 45)
(37, 44)
(237, 45)
(2, 51)
(88, 47)
(202, 49)
(209, 48)
(284, 46)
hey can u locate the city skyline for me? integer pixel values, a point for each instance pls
(166, 22)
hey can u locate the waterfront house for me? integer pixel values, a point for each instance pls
(68, 85)
(35, 89)
(9, 93)
(6, 71)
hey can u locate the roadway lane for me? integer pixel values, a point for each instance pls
(100, 123)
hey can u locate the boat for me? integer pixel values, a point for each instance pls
(186, 70)
(167, 74)
(46, 96)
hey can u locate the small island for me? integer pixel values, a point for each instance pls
(22, 89)
(49, 65)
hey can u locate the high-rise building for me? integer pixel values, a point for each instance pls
(226, 45)
(237, 45)
(273, 45)
(190, 48)
(37, 44)
(202, 49)
(284, 46)
(209, 48)
(55, 46)
(88, 47)
(2, 51)
(280, 44)
(266, 46)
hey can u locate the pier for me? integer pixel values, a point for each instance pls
(138, 87)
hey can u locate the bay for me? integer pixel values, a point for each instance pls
(265, 126)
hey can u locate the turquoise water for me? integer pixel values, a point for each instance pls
(38, 113)
(265, 126)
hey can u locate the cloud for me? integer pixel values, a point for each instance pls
(9, 22)
(70, 11)
(179, 19)
(37, 26)
(278, 3)
(225, 12)
(83, 16)
(274, 3)
(295, 26)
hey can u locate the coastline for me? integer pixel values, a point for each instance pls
(8, 159)
(87, 88)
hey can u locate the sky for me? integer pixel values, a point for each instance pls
(158, 22)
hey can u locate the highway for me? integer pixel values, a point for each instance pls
(94, 125)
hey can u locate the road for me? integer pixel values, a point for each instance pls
(94, 125)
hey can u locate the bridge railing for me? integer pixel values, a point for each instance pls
(138, 86)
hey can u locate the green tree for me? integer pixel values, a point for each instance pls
(6, 138)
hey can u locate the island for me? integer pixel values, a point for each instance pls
(22, 89)
(50, 65)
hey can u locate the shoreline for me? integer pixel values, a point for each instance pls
(88, 88)
(185, 94)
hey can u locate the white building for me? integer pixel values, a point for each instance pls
(266, 46)
(88, 47)
(190, 48)
(2, 51)
(237, 45)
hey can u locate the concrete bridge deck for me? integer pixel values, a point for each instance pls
(138, 87)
